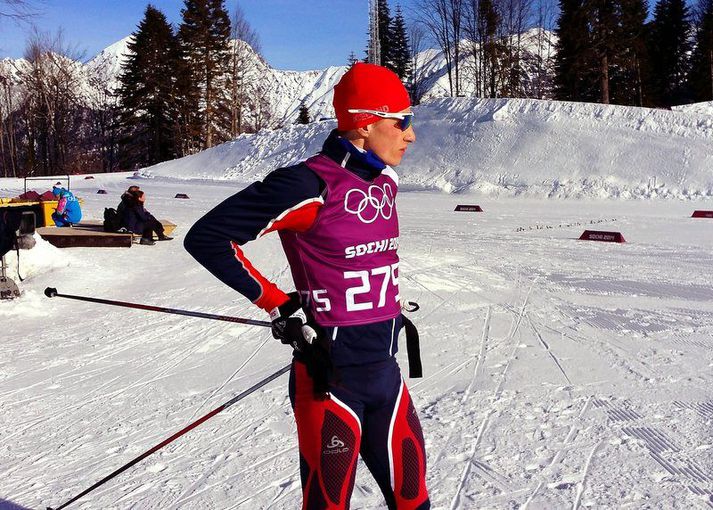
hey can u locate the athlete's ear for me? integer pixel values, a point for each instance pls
(364, 131)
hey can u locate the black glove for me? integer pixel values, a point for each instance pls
(289, 324)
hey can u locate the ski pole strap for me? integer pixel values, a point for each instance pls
(413, 348)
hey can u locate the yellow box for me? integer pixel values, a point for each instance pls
(43, 210)
(48, 209)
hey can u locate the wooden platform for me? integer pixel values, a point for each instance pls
(90, 234)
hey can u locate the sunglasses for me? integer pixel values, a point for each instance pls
(405, 119)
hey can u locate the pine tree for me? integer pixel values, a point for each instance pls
(669, 46)
(400, 54)
(701, 76)
(385, 36)
(605, 43)
(628, 84)
(303, 116)
(146, 91)
(352, 59)
(204, 37)
(575, 79)
(488, 22)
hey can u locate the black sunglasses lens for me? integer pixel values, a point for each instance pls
(406, 122)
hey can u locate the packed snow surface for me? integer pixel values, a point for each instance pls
(558, 373)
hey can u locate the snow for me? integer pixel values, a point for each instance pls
(704, 108)
(507, 147)
(558, 373)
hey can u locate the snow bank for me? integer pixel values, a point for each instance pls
(506, 147)
(42, 258)
(704, 108)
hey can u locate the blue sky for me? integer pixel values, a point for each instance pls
(295, 34)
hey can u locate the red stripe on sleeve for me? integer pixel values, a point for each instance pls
(298, 220)
(270, 296)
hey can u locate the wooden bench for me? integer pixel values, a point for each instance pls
(90, 234)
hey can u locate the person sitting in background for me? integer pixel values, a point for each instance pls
(68, 210)
(127, 200)
(138, 220)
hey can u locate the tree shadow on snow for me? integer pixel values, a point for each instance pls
(9, 505)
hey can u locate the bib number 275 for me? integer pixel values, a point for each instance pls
(381, 277)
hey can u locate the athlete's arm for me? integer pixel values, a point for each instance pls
(288, 198)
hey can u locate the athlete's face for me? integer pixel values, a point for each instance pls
(388, 141)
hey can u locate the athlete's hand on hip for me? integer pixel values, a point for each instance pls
(289, 323)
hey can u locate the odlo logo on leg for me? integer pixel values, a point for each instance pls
(336, 445)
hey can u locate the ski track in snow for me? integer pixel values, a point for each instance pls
(558, 373)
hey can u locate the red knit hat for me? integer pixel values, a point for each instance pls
(367, 87)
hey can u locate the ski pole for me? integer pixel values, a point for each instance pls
(177, 435)
(52, 292)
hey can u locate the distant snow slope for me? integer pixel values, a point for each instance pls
(506, 147)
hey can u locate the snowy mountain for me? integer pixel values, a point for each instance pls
(287, 90)
(109, 61)
(538, 51)
(506, 147)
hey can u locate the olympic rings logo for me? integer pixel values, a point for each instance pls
(370, 205)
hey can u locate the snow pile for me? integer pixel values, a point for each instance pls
(506, 147)
(42, 258)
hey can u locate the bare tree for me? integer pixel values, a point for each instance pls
(17, 10)
(245, 95)
(541, 85)
(516, 17)
(483, 45)
(417, 81)
(103, 117)
(443, 19)
(51, 106)
(8, 124)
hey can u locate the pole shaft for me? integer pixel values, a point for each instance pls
(178, 434)
(174, 311)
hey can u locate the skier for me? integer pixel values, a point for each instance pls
(68, 211)
(336, 217)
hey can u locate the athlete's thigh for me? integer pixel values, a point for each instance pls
(393, 450)
(329, 435)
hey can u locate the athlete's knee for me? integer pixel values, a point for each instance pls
(408, 457)
(329, 435)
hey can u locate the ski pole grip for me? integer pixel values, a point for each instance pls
(309, 334)
(50, 292)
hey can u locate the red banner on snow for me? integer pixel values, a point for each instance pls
(702, 214)
(599, 235)
(469, 208)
